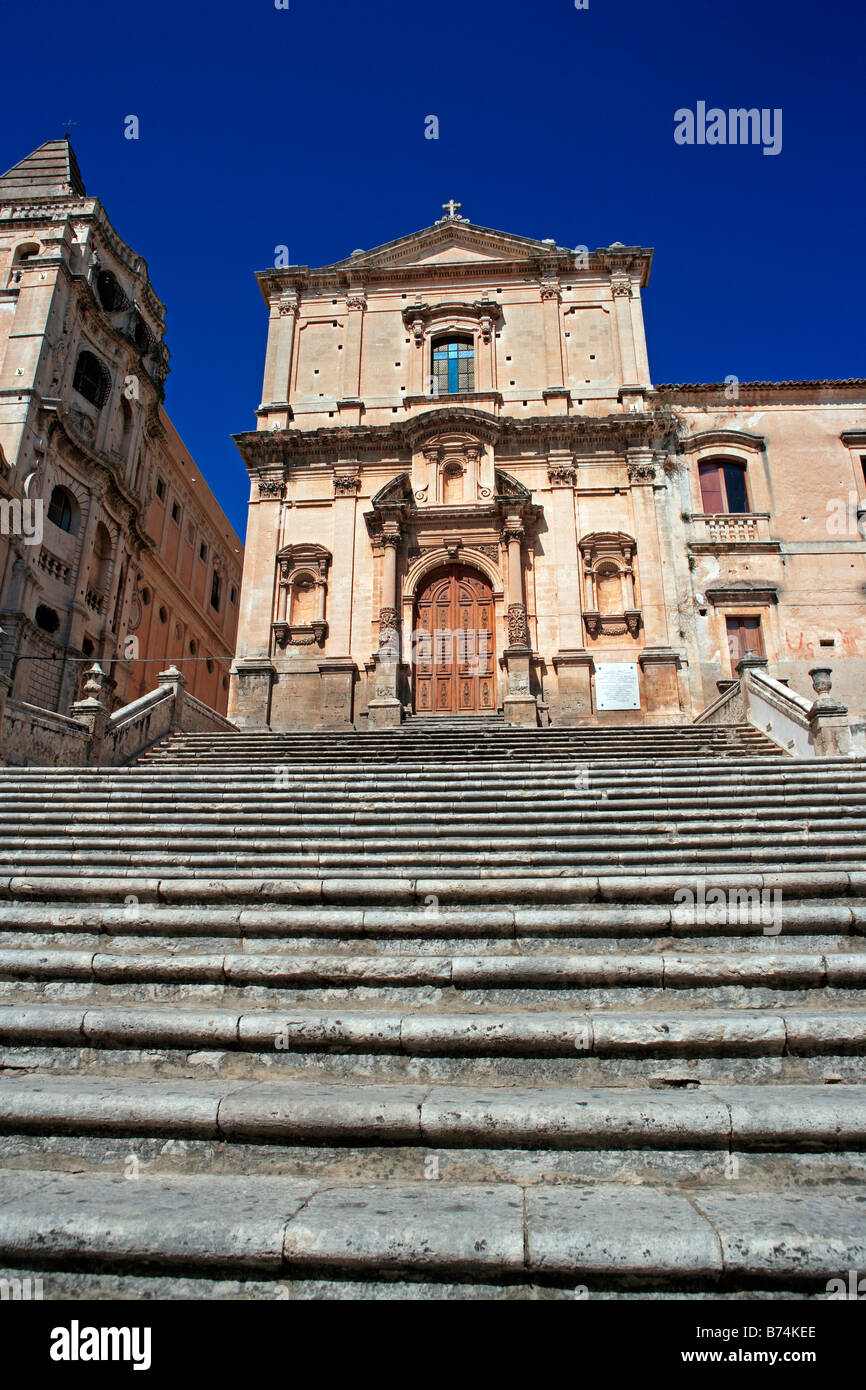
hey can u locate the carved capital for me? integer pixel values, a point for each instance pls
(620, 285)
(346, 484)
(641, 473)
(550, 289)
(562, 474)
(356, 301)
(270, 488)
(391, 533)
(512, 533)
(288, 304)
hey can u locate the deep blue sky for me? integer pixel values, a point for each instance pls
(306, 127)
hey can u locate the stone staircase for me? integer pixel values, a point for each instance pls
(453, 1010)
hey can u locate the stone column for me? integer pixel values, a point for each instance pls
(572, 663)
(385, 707)
(347, 484)
(550, 295)
(520, 705)
(271, 351)
(349, 404)
(338, 671)
(288, 308)
(620, 284)
(253, 672)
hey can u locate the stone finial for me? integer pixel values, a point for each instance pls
(828, 720)
(94, 682)
(822, 679)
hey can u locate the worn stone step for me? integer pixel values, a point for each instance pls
(424, 1031)
(141, 914)
(717, 1117)
(842, 969)
(284, 1225)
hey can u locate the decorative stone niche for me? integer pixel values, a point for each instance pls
(300, 596)
(610, 596)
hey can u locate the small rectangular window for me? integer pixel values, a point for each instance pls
(202, 551)
(233, 595)
(215, 591)
(863, 465)
(160, 489)
(175, 513)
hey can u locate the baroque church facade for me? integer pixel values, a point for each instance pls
(467, 496)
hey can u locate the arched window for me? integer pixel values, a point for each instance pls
(723, 486)
(109, 293)
(453, 366)
(63, 511)
(91, 379)
(23, 251)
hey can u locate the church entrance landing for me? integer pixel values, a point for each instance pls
(453, 670)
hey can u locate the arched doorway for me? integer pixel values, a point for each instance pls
(453, 672)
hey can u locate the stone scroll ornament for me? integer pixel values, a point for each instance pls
(389, 621)
(518, 632)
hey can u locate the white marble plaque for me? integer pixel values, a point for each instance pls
(616, 685)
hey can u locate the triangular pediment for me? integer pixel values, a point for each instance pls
(448, 243)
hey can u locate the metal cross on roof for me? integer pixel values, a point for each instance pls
(451, 208)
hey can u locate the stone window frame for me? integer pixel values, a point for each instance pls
(430, 323)
(728, 446)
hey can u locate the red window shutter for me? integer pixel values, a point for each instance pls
(752, 636)
(711, 488)
(736, 648)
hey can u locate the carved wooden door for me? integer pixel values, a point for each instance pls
(454, 647)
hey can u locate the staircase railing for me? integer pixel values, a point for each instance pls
(804, 728)
(91, 735)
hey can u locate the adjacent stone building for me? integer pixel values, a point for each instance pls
(467, 496)
(112, 546)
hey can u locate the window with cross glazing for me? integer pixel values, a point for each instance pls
(454, 366)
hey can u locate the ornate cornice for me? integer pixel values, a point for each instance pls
(272, 449)
(510, 255)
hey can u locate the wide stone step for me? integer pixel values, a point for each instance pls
(148, 911)
(196, 835)
(780, 1118)
(423, 1031)
(663, 971)
(495, 1231)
